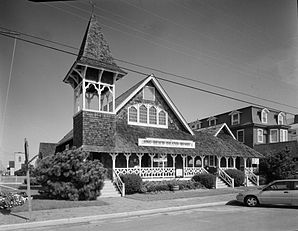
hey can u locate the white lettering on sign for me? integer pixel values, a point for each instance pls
(155, 142)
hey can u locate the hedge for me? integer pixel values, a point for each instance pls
(237, 175)
(206, 179)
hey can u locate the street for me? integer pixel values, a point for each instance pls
(227, 217)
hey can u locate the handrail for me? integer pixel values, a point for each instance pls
(119, 183)
(251, 176)
(225, 177)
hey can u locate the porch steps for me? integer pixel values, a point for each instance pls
(220, 183)
(109, 190)
(249, 183)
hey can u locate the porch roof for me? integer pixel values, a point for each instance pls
(206, 144)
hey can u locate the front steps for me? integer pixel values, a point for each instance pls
(109, 190)
(249, 183)
(220, 183)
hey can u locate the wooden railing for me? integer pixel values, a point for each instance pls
(225, 177)
(190, 171)
(119, 183)
(249, 175)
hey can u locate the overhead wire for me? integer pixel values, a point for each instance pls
(155, 69)
(157, 77)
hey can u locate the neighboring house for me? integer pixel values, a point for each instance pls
(141, 131)
(45, 150)
(251, 125)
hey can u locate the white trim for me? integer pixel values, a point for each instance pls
(163, 93)
(283, 135)
(258, 140)
(282, 115)
(226, 126)
(235, 122)
(264, 111)
(240, 130)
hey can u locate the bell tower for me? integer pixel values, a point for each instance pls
(92, 77)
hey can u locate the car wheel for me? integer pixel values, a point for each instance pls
(251, 201)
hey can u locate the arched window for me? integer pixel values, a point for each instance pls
(281, 118)
(132, 114)
(264, 115)
(152, 115)
(162, 118)
(143, 114)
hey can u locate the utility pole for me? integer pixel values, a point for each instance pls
(28, 179)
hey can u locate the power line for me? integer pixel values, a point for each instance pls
(146, 74)
(150, 68)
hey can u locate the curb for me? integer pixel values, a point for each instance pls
(37, 224)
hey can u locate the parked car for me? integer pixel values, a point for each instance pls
(279, 192)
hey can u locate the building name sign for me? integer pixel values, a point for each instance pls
(167, 143)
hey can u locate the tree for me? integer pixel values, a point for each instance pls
(277, 166)
(69, 175)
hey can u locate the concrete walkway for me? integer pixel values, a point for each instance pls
(115, 208)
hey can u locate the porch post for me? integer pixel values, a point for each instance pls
(174, 163)
(218, 161)
(244, 162)
(151, 158)
(113, 155)
(127, 155)
(193, 162)
(140, 155)
(183, 161)
(234, 162)
(202, 161)
(227, 162)
(163, 156)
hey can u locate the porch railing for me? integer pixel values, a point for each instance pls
(225, 177)
(190, 171)
(249, 175)
(148, 172)
(119, 183)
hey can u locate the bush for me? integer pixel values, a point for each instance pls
(9, 200)
(33, 181)
(133, 183)
(23, 171)
(206, 179)
(70, 176)
(237, 175)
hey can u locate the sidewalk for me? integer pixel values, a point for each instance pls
(116, 207)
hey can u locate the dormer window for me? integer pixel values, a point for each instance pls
(264, 115)
(281, 118)
(149, 93)
(235, 117)
(212, 121)
(147, 115)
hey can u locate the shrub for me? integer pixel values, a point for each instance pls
(9, 200)
(33, 181)
(206, 179)
(70, 176)
(133, 183)
(237, 175)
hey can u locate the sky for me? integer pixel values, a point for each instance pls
(247, 46)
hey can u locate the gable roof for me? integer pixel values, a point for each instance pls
(66, 138)
(125, 98)
(95, 51)
(216, 129)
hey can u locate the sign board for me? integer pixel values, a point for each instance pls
(179, 172)
(168, 143)
(255, 161)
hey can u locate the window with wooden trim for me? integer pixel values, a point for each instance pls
(132, 114)
(240, 135)
(149, 93)
(283, 135)
(212, 122)
(235, 118)
(260, 136)
(143, 114)
(281, 118)
(147, 115)
(152, 115)
(264, 115)
(273, 135)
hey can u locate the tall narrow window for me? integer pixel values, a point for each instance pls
(260, 136)
(132, 114)
(143, 114)
(162, 118)
(281, 118)
(273, 135)
(283, 134)
(235, 118)
(264, 115)
(152, 115)
(240, 136)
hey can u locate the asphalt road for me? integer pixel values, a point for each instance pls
(227, 217)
